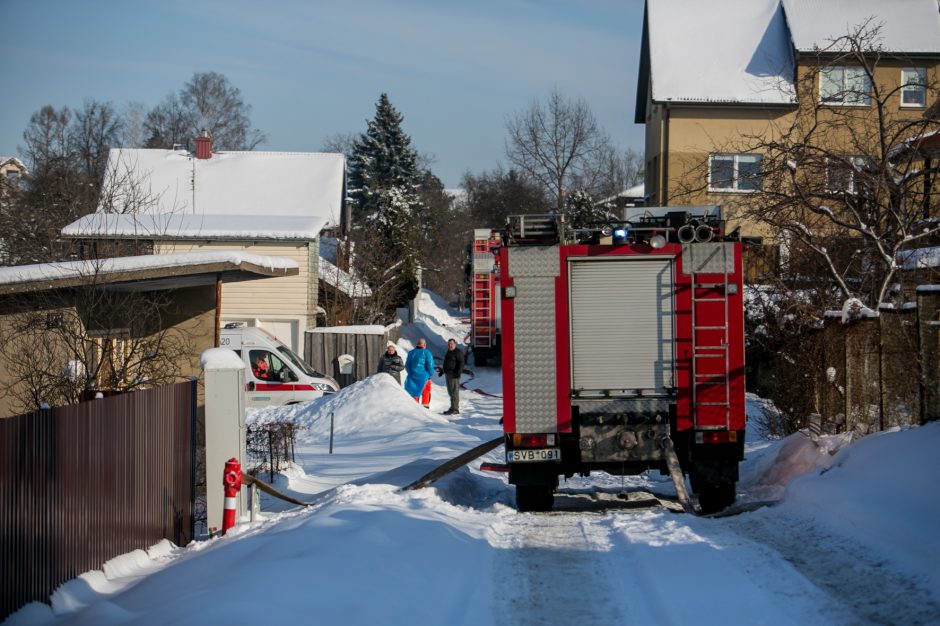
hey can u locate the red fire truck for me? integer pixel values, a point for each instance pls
(484, 295)
(623, 351)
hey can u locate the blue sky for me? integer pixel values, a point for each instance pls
(314, 69)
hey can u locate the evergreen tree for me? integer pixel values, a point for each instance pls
(383, 190)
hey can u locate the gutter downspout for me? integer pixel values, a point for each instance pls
(218, 308)
(663, 156)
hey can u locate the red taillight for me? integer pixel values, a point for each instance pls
(716, 436)
(539, 440)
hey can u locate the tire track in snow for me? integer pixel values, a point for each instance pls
(849, 573)
(552, 569)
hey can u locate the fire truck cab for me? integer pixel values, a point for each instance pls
(622, 343)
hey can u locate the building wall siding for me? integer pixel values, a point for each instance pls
(284, 296)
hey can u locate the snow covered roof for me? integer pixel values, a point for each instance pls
(350, 285)
(739, 53)
(742, 51)
(190, 226)
(920, 258)
(148, 267)
(307, 184)
(12, 159)
(911, 26)
(633, 193)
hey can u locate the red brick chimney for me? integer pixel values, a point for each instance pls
(204, 146)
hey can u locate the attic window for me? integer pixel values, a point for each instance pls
(846, 86)
(913, 87)
(734, 172)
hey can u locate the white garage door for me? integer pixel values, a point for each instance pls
(285, 330)
(622, 324)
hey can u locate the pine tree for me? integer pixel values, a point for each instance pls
(383, 191)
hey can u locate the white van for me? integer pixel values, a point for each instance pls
(275, 374)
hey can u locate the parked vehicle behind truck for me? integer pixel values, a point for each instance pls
(274, 374)
(622, 343)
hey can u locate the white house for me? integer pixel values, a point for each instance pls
(265, 203)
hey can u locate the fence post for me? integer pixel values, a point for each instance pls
(331, 432)
(928, 315)
(225, 422)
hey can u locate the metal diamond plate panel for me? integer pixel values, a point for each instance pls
(533, 261)
(483, 263)
(708, 258)
(534, 270)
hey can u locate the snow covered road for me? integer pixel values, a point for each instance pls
(852, 541)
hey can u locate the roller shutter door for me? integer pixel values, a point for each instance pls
(622, 325)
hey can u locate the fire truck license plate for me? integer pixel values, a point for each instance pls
(541, 454)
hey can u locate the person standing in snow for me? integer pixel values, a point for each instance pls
(420, 366)
(452, 369)
(391, 363)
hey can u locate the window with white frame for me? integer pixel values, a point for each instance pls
(844, 175)
(734, 172)
(913, 87)
(844, 85)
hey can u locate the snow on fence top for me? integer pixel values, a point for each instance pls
(220, 359)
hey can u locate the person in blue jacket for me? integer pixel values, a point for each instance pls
(419, 367)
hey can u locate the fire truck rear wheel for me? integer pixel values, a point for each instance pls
(534, 498)
(714, 497)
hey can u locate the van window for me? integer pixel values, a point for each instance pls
(266, 365)
(298, 362)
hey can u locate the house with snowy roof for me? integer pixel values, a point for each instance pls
(115, 324)
(718, 77)
(12, 172)
(265, 203)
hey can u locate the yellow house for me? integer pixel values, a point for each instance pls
(722, 83)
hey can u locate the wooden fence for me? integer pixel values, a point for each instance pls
(81, 484)
(880, 372)
(366, 344)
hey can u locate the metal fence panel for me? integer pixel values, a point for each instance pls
(84, 483)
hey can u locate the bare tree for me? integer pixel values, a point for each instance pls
(62, 345)
(556, 143)
(207, 102)
(343, 143)
(66, 151)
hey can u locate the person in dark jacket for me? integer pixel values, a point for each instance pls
(391, 363)
(452, 368)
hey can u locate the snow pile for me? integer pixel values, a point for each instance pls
(880, 492)
(770, 469)
(435, 322)
(354, 413)
(854, 309)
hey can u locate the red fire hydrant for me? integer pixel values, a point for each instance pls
(232, 481)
